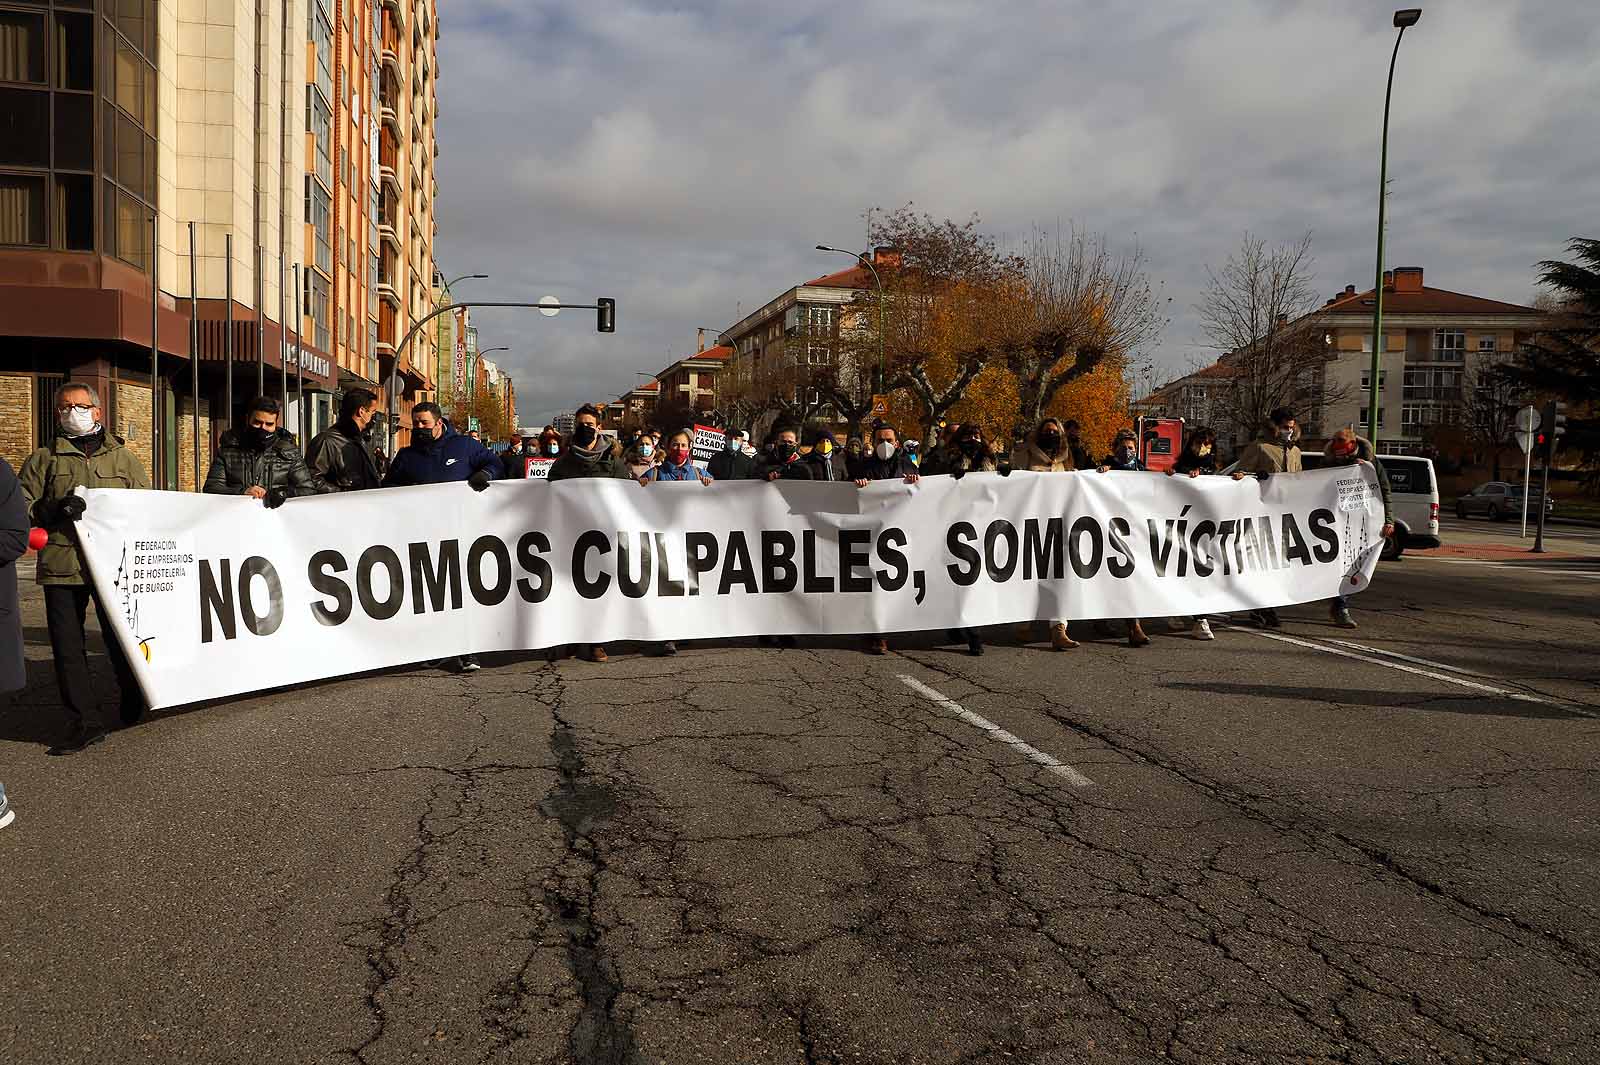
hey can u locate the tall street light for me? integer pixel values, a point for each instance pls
(866, 261)
(472, 378)
(1403, 18)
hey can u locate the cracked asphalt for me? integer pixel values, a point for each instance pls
(751, 855)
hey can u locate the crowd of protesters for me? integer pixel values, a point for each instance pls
(260, 459)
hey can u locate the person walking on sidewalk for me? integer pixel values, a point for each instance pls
(83, 455)
(1345, 448)
(437, 454)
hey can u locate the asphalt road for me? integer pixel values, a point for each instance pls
(1273, 847)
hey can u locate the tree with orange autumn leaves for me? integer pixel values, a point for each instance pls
(973, 334)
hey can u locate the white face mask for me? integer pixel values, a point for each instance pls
(76, 422)
(884, 450)
(646, 449)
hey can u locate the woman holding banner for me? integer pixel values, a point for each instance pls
(1046, 453)
(677, 463)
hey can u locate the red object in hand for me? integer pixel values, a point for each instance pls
(37, 538)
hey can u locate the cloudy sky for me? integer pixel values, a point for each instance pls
(685, 157)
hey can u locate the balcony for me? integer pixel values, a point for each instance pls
(389, 159)
(398, 7)
(388, 330)
(389, 283)
(389, 220)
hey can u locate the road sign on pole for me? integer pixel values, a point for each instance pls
(1528, 419)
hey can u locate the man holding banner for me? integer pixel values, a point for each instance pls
(84, 455)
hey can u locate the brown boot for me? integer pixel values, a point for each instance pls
(596, 653)
(875, 645)
(1059, 640)
(1136, 636)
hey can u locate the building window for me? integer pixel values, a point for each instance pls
(22, 209)
(22, 47)
(319, 122)
(320, 316)
(319, 215)
(1449, 345)
(1366, 379)
(1488, 345)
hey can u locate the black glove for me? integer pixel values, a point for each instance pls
(1005, 469)
(1263, 475)
(957, 473)
(71, 508)
(274, 498)
(479, 480)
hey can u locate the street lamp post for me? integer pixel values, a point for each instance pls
(866, 261)
(1402, 19)
(605, 312)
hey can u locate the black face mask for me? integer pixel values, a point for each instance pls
(785, 451)
(423, 440)
(257, 439)
(1050, 441)
(970, 447)
(584, 435)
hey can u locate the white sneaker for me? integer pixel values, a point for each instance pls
(7, 814)
(1202, 629)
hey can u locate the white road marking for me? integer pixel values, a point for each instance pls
(1504, 693)
(1407, 658)
(1033, 754)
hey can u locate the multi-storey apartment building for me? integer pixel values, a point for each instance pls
(262, 124)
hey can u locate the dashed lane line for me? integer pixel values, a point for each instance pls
(1487, 689)
(998, 734)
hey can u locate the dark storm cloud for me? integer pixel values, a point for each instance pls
(684, 159)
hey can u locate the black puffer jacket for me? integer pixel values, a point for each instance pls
(342, 460)
(237, 467)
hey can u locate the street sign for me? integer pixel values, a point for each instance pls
(1527, 421)
(880, 406)
(1525, 440)
(549, 306)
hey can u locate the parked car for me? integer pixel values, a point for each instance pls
(1498, 500)
(1413, 496)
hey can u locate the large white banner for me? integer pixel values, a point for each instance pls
(216, 595)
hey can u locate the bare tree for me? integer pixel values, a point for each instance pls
(1073, 303)
(1259, 309)
(940, 296)
(1490, 413)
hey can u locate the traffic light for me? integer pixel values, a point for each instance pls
(1554, 428)
(606, 315)
(1539, 440)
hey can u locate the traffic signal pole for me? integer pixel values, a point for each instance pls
(1554, 423)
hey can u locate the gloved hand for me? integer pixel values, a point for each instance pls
(479, 480)
(274, 498)
(71, 508)
(1263, 475)
(957, 473)
(1005, 469)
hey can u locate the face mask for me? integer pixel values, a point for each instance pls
(748, 451)
(1124, 454)
(1203, 450)
(77, 422)
(552, 448)
(884, 449)
(1286, 435)
(584, 435)
(825, 448)
(785, 451)
(1050, 441)
(424, 438)
(646, 450)
(679, 455)
(970, 447)
(258, 438)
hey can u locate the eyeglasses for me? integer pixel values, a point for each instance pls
(65, 407)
